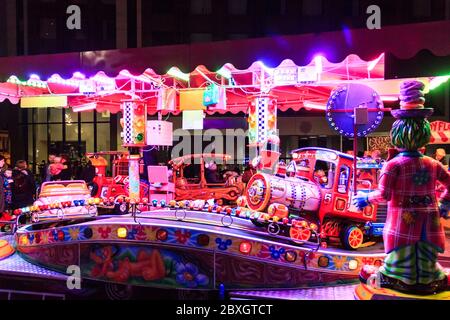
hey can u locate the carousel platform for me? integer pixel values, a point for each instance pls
(15, 265)
(342, 292)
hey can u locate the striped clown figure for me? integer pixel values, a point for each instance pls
(413, 234)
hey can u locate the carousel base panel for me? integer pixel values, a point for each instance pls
(16, 265)
(364, 292)
(344, 292)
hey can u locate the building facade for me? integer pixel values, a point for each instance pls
(31, 27)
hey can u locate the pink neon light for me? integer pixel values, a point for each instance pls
(85, 107)
(318, 63)
(314, 105)
(389, 98)
(373, 63)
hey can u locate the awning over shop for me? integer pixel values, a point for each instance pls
(295, 86)
(440, 132)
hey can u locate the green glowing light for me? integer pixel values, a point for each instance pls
(437, 81)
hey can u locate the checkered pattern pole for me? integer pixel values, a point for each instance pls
(134, 122)
(262, 118)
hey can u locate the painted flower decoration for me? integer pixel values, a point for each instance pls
(188, 275)
(55, 235)
(182, 237)
(421, 177)
(104, 233)
(276, 253)
(74, 233)
(339, 262)
(368, 261)
(131, 235)
(141, 235)
(223, 244)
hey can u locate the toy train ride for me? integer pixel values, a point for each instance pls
(315, 193)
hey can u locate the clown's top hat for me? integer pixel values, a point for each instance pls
(412, 101)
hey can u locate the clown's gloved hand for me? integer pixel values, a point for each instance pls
(361, 200)
(444, 208)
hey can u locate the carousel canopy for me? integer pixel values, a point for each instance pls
(226, 89)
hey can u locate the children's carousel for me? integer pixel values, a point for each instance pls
(311, 223)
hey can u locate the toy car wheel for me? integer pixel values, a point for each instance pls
(299, 234)
(352, 237)
(35, 217)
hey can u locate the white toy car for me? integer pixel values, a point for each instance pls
(64, 200)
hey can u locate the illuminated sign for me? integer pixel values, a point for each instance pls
(285, 75)
(307, 74)
(294, 75)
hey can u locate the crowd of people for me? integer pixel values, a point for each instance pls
(59, 167)
(17, 185)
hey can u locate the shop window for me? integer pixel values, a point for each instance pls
(55, 115)
(55, 132)
(324, 173)
(87, 135)
(237, 36)
(103, 137)
(201, 37)
(201, 7)
(237, 7)
(322, 142)
(162, 38)
(164, 7)
(312, 7)
(48, 28)
(422, 8)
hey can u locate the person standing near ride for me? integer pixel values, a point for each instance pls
(413, 234)
(3, 168)
(23, 187)
(440, 155)
(60, 169)
(46, 175)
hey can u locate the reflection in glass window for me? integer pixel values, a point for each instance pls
(103, 137)
(87, 136)
(55, 115)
